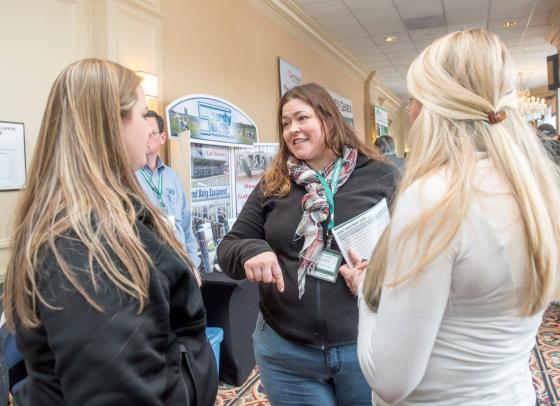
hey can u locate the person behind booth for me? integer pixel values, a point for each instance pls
(549, 139)
(456, 290)
(164, 189)
(386, 146)
(322, 175)
(99, 291)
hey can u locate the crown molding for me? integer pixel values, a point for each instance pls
(291, 17)
(144, 7)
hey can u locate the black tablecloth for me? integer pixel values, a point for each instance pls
(233, 306)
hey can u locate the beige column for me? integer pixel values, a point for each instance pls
(369, 118)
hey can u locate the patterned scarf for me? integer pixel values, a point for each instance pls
(315, 208)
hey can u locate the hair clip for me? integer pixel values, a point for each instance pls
(496, 117)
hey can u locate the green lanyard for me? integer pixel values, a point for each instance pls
(157, 190)
(330, 191)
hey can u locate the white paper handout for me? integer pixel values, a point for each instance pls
(362, 232)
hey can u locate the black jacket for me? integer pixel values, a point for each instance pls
(553, 148)
(396, 160)
(327, 314)
(83, 357)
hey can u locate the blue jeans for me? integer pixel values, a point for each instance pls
(294, 374)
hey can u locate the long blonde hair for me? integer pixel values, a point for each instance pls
(459, 79)
(338, 134)
(80, 184)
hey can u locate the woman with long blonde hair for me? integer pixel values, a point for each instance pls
(454, 295)
(101, 295)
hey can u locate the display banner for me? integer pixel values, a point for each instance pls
(250, 164)
(210, 119)
(381, 121)
(289, 76)
(344, 106)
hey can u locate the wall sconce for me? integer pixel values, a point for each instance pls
(149, 83)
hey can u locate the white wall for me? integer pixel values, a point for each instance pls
(38, 38)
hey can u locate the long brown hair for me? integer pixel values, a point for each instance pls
(338, 134)
(459, 79)
(80, 183)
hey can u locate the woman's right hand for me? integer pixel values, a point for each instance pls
(264, 268)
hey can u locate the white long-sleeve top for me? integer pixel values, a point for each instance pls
(453, 334)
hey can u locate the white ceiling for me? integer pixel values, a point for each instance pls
(360, 26)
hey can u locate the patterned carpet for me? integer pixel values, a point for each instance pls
(251, 393)
(544, 362)
(545, 359)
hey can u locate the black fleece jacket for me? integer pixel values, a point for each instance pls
(327, 314)
(82, 357)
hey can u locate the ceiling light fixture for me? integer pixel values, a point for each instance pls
(509, 24)
(531, 107)
(391, 38)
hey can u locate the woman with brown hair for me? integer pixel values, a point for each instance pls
(323, 175)
(101, 295)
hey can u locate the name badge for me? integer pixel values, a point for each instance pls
(327, 266)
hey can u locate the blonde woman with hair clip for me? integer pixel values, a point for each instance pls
(101, 295)
(454, 295)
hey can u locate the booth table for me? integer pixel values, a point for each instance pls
(233, 306)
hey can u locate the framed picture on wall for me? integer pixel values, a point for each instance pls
(12, 156)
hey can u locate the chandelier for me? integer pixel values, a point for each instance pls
(531, 107)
